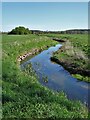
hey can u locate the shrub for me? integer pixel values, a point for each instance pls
(20, 31)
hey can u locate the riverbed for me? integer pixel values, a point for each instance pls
(55, 77)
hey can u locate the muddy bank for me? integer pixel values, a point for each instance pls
(30, 53)
(71, 68)
(59, 40)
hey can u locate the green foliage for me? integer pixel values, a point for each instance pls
(20, 31)
(82, 78)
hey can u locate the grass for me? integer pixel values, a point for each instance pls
(82, 78)
(75, 52)
(78, 40)
(22, 95)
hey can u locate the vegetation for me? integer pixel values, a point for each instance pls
(22, 95)
(20, 31)
(82, 78)
(73, 31)
(74, 54)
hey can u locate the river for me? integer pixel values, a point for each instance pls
(55, 77)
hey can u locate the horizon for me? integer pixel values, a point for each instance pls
(47, 30)
(48, 16)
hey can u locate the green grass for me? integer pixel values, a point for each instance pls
(75, 51)
(78, 40)
(82, 78)
(22, 95)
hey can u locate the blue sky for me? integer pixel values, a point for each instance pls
(45, 0)
(45, 15)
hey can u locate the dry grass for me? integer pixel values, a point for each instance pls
(74, 51)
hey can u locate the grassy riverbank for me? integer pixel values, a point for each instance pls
(74, 55)
(22, 95)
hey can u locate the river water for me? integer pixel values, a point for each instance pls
(55, 77)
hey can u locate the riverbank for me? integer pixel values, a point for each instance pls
(74, 58)
(31, 53)
(22, 95)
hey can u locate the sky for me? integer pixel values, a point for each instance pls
(45, 0)
(53, 16)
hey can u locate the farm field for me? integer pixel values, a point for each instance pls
(22, 94)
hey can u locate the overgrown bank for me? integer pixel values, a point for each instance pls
(73, 56)
(23, 96)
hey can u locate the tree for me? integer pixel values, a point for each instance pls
(20, 31)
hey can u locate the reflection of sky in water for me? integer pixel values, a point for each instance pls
(58, 78)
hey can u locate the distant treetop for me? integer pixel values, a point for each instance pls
(20, 31)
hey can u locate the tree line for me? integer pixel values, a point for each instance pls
(24, 31)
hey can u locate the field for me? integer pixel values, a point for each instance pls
(22, 95)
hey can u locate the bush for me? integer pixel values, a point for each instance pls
(20, 31)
